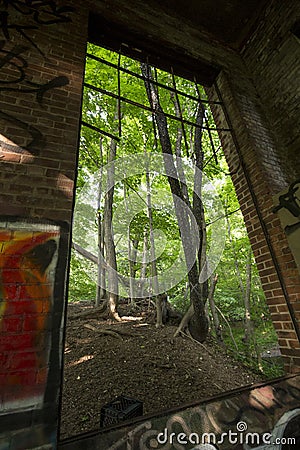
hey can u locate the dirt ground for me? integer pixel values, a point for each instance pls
(137, 360)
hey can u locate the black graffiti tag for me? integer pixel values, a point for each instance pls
(43, 12)
(19, 83)
(291, 202)
(37, 139)
(39, 12)
(6, 26)
(13, 59)
(23, 16)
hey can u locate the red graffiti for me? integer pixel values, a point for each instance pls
(26, 285)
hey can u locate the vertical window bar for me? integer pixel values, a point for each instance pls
(119, 96)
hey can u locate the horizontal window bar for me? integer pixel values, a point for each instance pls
(92, 127)
(141, 77)
(148, 108)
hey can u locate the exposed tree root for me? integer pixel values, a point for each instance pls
(91, 312)
(184, 321)
(119, 333)
(115, 334)
(104, 310)
(195, 340)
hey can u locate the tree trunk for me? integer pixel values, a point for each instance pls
(131, 253)
(213, 310)
(93, 258)
(112, 275)
(155, 286)
(247, 296)
(85, 253)
(143, 264)
(245, 291)
(236, 264)
(101, 283)
(100, 292)
(198, 323)
(185, 320)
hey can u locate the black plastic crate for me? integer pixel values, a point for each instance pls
(120, 409)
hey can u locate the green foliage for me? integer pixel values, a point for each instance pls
(81, 287)
(264, 338)
(179, 298)
(137, 136)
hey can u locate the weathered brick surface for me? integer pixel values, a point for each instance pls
(263, 105)
(39, 141)
(280, 282)
(42, 133)
(273, 55)
(41, 85)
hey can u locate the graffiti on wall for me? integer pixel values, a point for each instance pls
(19, 82)
(288, 209)
(21, 17)
(252, 418)
(37, 13)
(223, 424)
(28, 267)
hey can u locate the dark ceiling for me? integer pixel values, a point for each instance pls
(148, 30)
(228, 21)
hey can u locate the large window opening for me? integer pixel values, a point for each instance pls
(165, 303)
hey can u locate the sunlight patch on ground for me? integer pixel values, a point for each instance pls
(131, 318)
(81, 360)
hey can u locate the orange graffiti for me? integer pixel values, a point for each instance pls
(26, 290)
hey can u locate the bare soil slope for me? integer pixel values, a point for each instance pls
(137, 360)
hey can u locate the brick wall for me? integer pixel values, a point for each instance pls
(254, 186)
(273, 55)
(40, 105)
(262, 101)
(273, 58)
(42, 50)
(41, 83)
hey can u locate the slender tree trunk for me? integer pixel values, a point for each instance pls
(198, 212)
(213, 310)
(236, 264)
(130, 253)
(103, 292)
(247, 296)
(144, 263)
(100, 292)
(155, 286)
(178, 154)
(101, 282)
(85, 253)
(229, 327)
(131, 272)
(93, 258)
(112, 276)
(245, 291)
